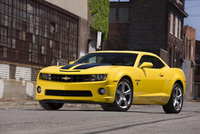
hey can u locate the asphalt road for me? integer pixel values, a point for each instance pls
(79, 119)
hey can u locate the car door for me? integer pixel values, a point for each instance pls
(151, 79)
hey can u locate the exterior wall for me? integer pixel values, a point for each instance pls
(190, 43)
(197, 70)
(145, 30)
(118, 36)
(78, 7)
(186, 69)
(148, 28)
(35, 34)
(84, 36)
(189, 56)
(176, 15)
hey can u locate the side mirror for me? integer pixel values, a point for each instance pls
(146, 65)
(71, 62)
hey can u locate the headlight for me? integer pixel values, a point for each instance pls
(101, 77)
(96, 77)
(45, 76)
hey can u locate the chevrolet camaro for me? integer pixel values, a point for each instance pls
(113, 79)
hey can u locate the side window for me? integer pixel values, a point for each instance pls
(159, 63)
(155, 61)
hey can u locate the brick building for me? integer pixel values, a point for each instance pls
(153, 25)
(189, 42)
(197, 71)
(38, 33)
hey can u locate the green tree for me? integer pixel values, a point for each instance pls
(100, 10)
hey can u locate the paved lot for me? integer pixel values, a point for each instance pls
(27, 117)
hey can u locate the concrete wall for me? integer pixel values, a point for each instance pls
(77, 7)
(17, 89)
(189, 55)
(18, 72)
(186, 70)
(17, 81)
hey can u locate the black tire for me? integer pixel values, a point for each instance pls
(175, 102)
(123, 97)
(108, 107)
(50, 106)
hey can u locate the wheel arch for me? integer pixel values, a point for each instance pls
(129, 79)
(181, 84)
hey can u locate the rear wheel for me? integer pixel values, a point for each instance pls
(123, 97)
(50, 106)
(175, 103)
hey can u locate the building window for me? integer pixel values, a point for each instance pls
(176, 26)
(180, 29)
(123, 15)
(33, 33)
(197, 70)
(171, 22)
(112, 15)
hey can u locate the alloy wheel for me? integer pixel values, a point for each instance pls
(177, 101)
(123, 95)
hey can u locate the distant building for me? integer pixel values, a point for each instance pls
(38, 33)
(197, 71)
(189, 60)
(148, 25)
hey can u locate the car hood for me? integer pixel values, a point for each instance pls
(91, 68)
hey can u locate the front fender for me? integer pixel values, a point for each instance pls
(131, 72)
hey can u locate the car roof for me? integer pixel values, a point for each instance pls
(135, 52)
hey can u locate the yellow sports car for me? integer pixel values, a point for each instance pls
(114, 79)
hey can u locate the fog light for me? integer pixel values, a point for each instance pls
(102, 91)
(39, 89)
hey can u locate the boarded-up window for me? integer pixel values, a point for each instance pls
(112, 15)
(123, 15)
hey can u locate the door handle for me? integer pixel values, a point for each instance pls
(161, 74)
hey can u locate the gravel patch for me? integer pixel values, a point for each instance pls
(13, 103)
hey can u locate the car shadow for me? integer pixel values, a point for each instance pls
(95, 110)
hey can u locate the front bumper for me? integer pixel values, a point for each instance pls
(93, 87)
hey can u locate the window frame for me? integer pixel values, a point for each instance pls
(156, 60)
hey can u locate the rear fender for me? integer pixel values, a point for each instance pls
(174, 75)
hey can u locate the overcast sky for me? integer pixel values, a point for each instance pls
(192, 8)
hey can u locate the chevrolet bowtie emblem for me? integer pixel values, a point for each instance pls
(66, 78)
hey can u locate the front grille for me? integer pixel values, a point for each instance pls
(69, 93)
(69, 78)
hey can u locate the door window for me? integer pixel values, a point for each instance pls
(157, 63)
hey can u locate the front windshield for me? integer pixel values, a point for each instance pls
(124, 59)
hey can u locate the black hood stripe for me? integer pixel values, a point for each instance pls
(86, 66)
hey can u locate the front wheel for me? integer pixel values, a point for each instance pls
(123, 97)
(175, 103)
(50, 106)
